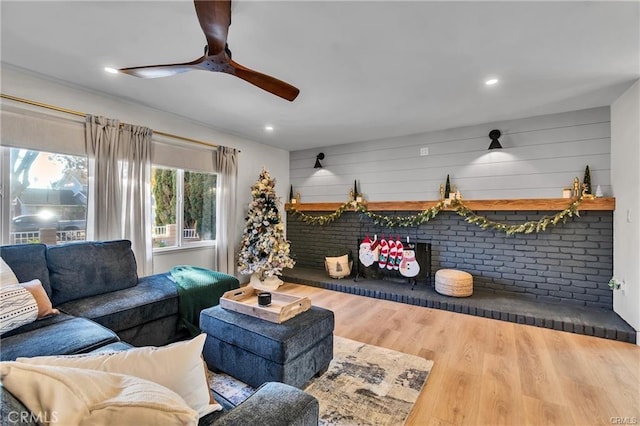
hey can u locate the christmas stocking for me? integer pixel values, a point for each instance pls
(365, 254)
(399, 254)
(375, 248)
(393, 253)
(409, 266)
(383, 258)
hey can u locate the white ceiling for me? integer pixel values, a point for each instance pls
(366, 69)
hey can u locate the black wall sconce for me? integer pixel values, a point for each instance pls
(495, 143)
(319, 157)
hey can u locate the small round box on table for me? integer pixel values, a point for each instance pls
(452, 282)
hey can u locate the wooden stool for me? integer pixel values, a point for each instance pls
(452, 282)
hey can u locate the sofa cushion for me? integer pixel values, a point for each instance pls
(154, 297)
(272, 404)
(76, 396)
(45, 322)
(7, 277)
(44, 304)
(112, 347)
(56, 335)
(89, 268)
(159, 332)
(9, 404)
(178, 367)
(28, 262)
(17, 307)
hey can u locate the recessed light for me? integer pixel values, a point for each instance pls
(268, 128)
(111, 70)
(491, 81)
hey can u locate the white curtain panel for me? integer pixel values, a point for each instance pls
(119, 185)
(104, 195)
(226, 164)
(135, 149)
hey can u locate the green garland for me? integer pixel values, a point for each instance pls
(460, 208)
(526, 227)
(403, 221)
(323, 219)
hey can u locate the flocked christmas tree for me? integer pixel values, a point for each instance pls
(264, 251)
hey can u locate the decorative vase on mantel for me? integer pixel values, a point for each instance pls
(267, 284)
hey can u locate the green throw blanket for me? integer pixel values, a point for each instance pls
(198, 289)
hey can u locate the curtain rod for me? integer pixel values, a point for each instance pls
(82, 114)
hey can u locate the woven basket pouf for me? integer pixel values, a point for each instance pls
(452, 282)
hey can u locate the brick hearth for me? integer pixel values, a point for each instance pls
(590, 321)
(555, 279)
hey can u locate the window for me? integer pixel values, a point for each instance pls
(48, 197)
(183, 207)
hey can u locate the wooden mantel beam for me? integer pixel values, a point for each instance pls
(544, 204)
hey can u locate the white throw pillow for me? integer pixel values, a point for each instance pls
(7, 277)
(17, 307)
(75, 396)
(178, 366)
(338, 267)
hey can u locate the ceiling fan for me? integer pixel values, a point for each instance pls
(215, 18)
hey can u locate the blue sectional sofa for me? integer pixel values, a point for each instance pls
(97, 281)
(105, 306)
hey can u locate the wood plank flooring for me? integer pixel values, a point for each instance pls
(490, 372)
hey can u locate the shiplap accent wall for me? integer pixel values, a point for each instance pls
(541, 155)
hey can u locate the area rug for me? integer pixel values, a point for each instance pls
(364, 385)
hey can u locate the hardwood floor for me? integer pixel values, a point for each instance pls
(490, 372)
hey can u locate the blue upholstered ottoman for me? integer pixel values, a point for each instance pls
(257, 351)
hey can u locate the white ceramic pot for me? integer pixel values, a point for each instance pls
(268, 284)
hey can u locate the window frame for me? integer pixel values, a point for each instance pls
(180, 240)
(6, 218)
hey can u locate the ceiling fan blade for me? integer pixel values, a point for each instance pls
(214, 18)
(265, 82)
(155, 71)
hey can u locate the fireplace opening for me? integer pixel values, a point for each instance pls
(411, 264)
